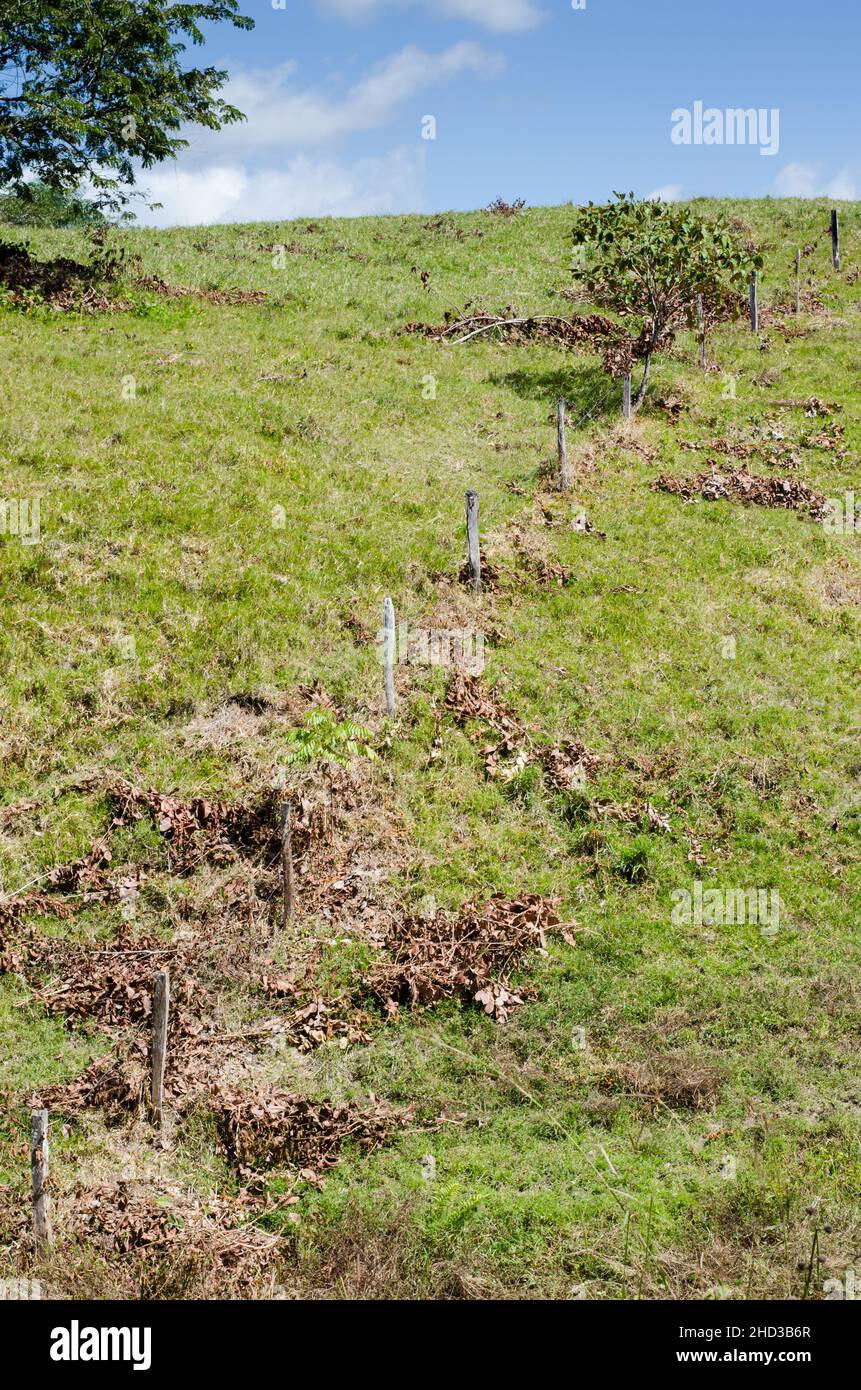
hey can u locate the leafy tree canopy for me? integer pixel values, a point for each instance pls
(91, 88)
(49, 207)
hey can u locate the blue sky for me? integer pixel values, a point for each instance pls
(531, 99)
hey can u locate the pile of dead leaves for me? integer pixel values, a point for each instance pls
(593, 332)
(470, 958)
(61, 284)
(672, 406)
(729, 448)
(829, 438)
(112, 987)
(490, 575)
(569, 765)
(156, 285)
(531, 568)
(128, 1218)
(117, 1086)
(200, 829)
(501, 208)
(274, 1127)
(580, 330)
(320, 1021)
(545, 573)
(468, 700)
(740, 486)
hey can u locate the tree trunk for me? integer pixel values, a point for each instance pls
(647, 361)
(657, 329)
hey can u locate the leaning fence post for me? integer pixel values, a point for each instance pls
(472, 539)
(564, 466)
(835, 239)
(626, 396)
(40, 1172)
(754, 301)
(389, 653)
(701, 320)
(798, 282)
(286, 863)
(160, 1010)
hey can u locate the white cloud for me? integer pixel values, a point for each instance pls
(805, 181)
(502, 16)
(668, 193)
(281, 116)
(304, 188)
(840, 187)
(796, 181)
(264, 167)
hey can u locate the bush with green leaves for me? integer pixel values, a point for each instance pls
(322, 738)
(647, 261)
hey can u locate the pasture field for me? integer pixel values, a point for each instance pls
(229, 486)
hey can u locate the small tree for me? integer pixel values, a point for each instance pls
(90, 89)
(647, 261)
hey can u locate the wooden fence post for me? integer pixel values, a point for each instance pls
(472, 539)
(389, 653)
(754, 301)
(798, 282)
(626, 396)
(40, 1173)
(835, 239)
(160, 1010)
(564, 466)
(701, 320)
(286, 863)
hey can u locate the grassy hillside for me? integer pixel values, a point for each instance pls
(673, 1109)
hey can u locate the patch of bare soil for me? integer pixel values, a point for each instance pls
(676, 1081)
(640, 813)
(838, 586)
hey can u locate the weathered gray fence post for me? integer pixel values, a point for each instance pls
(701, 320)
(835, 239)
(472, 539)
(40, 1173)
(286, 863)
(160, 1010)
(626, 396)
(754, 301)
(798, 282)
(564, 466)
(389, 653)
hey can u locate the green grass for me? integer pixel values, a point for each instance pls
(157, 525)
